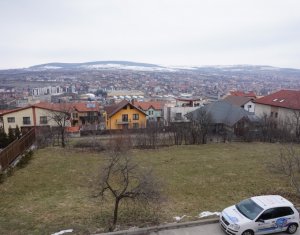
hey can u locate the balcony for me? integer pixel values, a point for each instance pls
(123, 121)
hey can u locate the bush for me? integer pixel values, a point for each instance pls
(2, 176)
(9, 171)
(89, 144)
(25, 159)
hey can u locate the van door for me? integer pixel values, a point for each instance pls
(266, 222)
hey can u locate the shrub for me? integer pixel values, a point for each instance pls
(2, 176)
(25, 159)
(89, 144)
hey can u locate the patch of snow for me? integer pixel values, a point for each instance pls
(208, 213)
(63, 232)
(127, 67)
(51, 67)
(178, 218)
(182, 67)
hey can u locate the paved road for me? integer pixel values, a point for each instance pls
(209, 229)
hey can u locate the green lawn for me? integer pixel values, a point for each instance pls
(56, 190)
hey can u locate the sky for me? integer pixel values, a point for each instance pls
(165, 32)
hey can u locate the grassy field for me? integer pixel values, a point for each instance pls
(56, 190)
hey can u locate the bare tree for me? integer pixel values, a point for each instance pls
(288, 164)
(61, 117)
(295, 123)
(124, 179)
(201, 123)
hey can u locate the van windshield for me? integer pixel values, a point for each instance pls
(249, 208)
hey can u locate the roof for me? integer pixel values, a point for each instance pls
(4, 111)
(59, 107)
(87, 107)
(237, 100)
(289, 99)
(269, 201)
(147, 105)
(243, 94)
(225, 113)
(112, 109)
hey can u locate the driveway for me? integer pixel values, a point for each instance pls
(209, 229)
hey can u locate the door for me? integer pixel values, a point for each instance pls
(266, 222)
(284, 215)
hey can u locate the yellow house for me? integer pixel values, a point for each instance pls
(37, 115)
(124, 115)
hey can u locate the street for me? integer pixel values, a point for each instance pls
(209, 229)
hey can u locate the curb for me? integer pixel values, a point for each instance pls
(147, 231)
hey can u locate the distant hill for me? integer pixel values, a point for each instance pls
(136, 66)
(98, 65)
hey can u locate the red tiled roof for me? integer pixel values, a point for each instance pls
(147, 105)
(87, 107)
(244, 94)
(14, 110)
(284, 98)
(60, 107)
(4, 111)
(65, 107)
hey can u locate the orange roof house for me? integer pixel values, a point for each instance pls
(154, 109)
(124, 115)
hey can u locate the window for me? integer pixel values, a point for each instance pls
(249, 208)
(43, 120)
(11, 119)
(271, 114)
(135, 125)
(26, 120)
(283, 211)
(124, 117)
(268, 214)
(249, 106)
(75, 115)
(178, 116)
(135, 116)
(276, 115)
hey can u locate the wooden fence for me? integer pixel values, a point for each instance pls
(17, 147)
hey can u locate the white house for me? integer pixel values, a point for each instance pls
(282, 106)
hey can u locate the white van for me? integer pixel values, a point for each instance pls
(260, 215)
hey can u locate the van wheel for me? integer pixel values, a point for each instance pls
(248, 232)
(292, 228)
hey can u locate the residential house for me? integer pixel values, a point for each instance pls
(177, 113)
(246, 103)
(124, 115)
(227, 117)
(86, 115)
(37, 115)
(154, 110)
(42, 115)
(282, 106)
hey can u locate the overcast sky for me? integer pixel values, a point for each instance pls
(167, 32)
